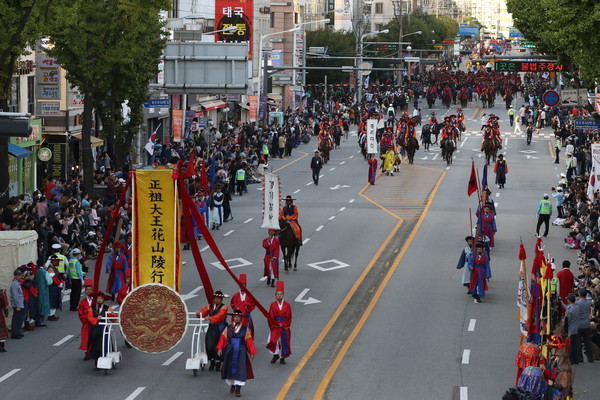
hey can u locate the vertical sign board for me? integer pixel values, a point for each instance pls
(371, 136)
(177, 125)
(271, 202)
(253, 104)
(594, 183)
(57, 165)
(156, 255)
(238, 14)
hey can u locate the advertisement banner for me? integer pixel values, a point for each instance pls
(189, 119)
(177, 125)
(253, 104)
(371, 136)
(238, 14)
(156, 255)
(270, 202)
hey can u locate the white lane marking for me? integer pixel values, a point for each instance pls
(506, 146)
(351, 157)
(264, 278)
(436, 156)
(471, 327)
(9, 374)
(497, 194)
(496, 204)
(322, 175)
(332, 217)
(62, 341)
(351, 201)
(309, 183)
(115, 307)
(135, 393)
(172, 358)
(463, 142)
(465, 356)
(205, 248)
(343, 162)
(229, 233)
(342, 209)
(192, 294)
(332, 168)
(319, 228)
(464, 393)
(447, 167)
(248, 220)
(297, 191)
(305, 240)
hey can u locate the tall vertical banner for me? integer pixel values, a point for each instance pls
(594, 182)
(177, 116)
(371, 136)
(238, 14)
(156, 253)
(270, 202)
(253, 104)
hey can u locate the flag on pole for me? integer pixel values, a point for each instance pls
(484, 183)
(522, 295)
(203, 177)
(591, 185)
(190, 170)
(151, 141)
(472, 188)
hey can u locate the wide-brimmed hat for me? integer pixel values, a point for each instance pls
(219, 293)
(236, 312)
(288, 197)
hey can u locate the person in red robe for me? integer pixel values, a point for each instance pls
(271, 245)
(116, 265)
(566, 281)
(123, 292)
(216, 313)
(372, 161)
(280, 335)
(240, 301)
(82, 310)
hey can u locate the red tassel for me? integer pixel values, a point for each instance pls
(522, 255)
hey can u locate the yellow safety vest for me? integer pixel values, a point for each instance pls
(72, 268)
(546, 206)
(553, 285)
(240, 175)
(62, 263)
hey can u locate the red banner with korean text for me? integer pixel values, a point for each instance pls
(156, 251)
(177, 121)
(238, 14)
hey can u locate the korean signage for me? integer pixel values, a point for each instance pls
(57, 165)
(48, 81)
(586, 124)
(270, 202)
(526, 66)
(253, 105)
(371, 136)
(234, 14)
(277, 58)
(33, 139)
(49, 92)
(49, 107)
(156, 254)
(177, 125)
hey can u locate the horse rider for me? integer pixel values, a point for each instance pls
(325, 132)
(492, 132)
(387, 141)
(433, 122)
(410, 132)
(447, 132)
(289, 212)
(460, 118)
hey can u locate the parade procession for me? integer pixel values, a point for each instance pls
(228, 198)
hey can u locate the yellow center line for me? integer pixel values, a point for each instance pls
(341, 354)
(292, 162)
(475, 112)
(551, 150)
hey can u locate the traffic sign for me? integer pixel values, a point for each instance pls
(157, 103)
(586, 124)
(551, 98)
(412, 59)
(316, 50)
(44, 154)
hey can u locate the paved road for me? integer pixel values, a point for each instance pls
(391, 320)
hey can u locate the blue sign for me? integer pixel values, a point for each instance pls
(202, 122)
(586, 124)
(157, 103)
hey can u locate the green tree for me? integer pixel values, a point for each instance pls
(338, 44)
(110, 50)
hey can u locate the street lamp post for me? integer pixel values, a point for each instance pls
(263, 63)
(326, 21)
(401, 52)
(359, 61)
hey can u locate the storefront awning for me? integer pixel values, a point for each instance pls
(213, 104)
(17, 151)
(93, 139)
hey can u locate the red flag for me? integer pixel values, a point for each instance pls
(190, 170)
(203, 177)
(472, 188)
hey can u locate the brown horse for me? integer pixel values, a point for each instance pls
(490, 147)
(325, 148)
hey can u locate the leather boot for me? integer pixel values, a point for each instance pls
(274, 359)
(232, 389)
(211, 367)
(237, 390)
(2, 349)
(217, 365)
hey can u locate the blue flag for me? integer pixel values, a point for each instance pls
(211, 171)
(484, 184)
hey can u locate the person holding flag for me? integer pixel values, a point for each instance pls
(479, 265)
(153, 146)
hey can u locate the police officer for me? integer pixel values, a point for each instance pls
(544, 212)
(75, 276)
(62, 264)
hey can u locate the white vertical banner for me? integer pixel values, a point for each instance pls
(594, 183)
(270, 202)
(371, 136)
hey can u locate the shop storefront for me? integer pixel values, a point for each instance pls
(23, 163)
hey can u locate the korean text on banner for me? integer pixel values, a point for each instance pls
(238, 14)
(371, 136)
(594, 182)
(271, 202)
(253, 104)
(177, 125)
(156, 252)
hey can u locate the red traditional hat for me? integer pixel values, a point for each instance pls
(411, 123)
(279, 286)
(243, 279)
(117, 245)
(87, 282)
(128, 273)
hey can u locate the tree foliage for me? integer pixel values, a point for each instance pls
(338, 44)
(564, 29)
(110, 50)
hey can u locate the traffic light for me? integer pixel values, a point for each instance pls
(15, 127)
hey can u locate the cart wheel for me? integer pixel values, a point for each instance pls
(105, 372)
(202, 366)
(195, 372)
(114, 365)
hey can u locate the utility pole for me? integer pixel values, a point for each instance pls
(398, 15)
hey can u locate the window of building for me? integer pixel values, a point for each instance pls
(272, 21)
(31, 94)
(378, 8)
(378, 27)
